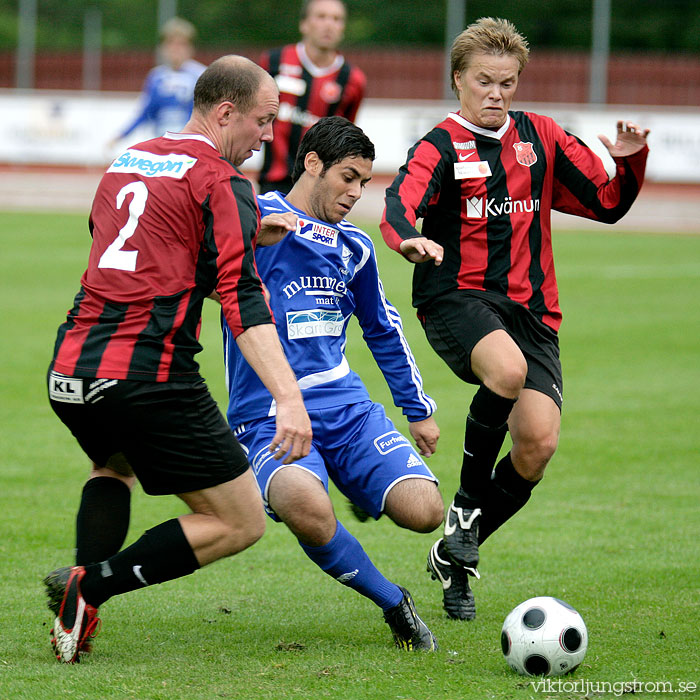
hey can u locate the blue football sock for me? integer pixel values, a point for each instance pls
(344, 559)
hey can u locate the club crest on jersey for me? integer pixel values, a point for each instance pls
(524, 153)
(330, 92)
(317, 232)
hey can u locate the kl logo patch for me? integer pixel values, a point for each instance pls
(524, 153)
(65, 389)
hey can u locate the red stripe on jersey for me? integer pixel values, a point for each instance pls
(400, 214)
(473, 235)
(233, 222)
(550, 289)
(117, 355)
(519, 188)
(166, 357)
(474, 241)
(67, 357)
(230, 253)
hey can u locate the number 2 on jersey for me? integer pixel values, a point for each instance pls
(114, 257)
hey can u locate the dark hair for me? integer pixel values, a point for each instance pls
(228, 79)
(332, 139)
(306, 4)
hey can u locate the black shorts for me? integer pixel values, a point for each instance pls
(455, 322)
(172, 433)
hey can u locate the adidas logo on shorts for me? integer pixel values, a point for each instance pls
(413, 461)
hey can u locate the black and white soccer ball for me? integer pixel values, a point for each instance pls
(544, 636)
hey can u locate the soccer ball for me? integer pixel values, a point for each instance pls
(544, 636)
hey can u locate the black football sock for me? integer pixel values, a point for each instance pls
(508, 492)
(160, 554)
(483, 437)
(103, 519)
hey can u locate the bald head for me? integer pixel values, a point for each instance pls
(230, 78)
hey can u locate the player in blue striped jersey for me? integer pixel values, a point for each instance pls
(320, 271)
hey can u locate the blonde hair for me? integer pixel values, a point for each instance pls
(488, 35)
(178, 27)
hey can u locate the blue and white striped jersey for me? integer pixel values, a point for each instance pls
(318, 277)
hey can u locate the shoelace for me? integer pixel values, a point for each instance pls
(91, 631)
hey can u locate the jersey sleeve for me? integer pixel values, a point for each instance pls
(234, 223)
(146, 110)
(582, 186)
(408, 196)
(382, 330)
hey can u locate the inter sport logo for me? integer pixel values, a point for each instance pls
(317, 232)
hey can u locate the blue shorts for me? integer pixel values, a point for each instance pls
(355, 445)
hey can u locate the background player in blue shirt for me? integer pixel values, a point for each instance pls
(321, 273)
(167, 95)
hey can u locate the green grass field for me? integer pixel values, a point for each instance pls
(614, 528)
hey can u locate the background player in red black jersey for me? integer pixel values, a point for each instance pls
(173, 220)
(485, 181)
(314, 81)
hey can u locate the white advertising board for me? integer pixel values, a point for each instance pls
(75, 129)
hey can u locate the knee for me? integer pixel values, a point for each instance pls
(312, 527)
(508, 378)
(422, 511)
(236, 538)
(432, 516)
(254, 531)
(300, 501)
(530, 457)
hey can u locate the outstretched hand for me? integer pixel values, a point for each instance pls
(630, 138)
(274, 227)
(421, 249)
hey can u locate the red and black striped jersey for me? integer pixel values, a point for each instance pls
(172, 221)
(486, 197)
(307, 93)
